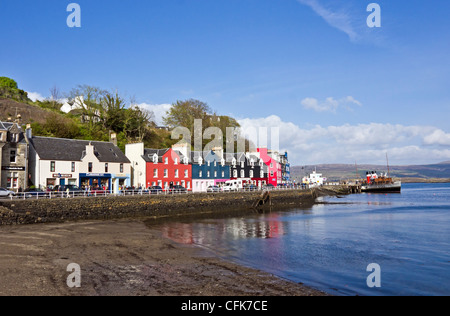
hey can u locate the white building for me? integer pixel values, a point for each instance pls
(314, 180)
(135, 153)
(57, 161)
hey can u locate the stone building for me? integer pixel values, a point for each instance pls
(13, 157)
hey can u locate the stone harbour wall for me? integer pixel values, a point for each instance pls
(18, 212)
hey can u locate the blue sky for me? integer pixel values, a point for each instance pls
(338, 90)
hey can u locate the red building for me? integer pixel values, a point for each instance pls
(166, 168)
(272, 165)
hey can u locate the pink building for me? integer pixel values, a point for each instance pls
(272, 165)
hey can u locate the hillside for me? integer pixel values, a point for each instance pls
(416, 173)
(30, 113)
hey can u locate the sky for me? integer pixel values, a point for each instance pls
(337, 90)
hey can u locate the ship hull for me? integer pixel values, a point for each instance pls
(383, 188)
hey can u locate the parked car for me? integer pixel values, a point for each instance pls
(34, 192)
(177, 189)
(250, 187)
(6, 193)
(269, 187)
(213, 189)
(63, 188)
(155, 190)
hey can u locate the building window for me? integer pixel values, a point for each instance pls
(155, 158)
(176, 161)
(12, 156)
(166, 160)
(73, 166)
(106, 168)
(262, 174)
(121, 168)
(223, 174)
(52, 166)
(215, 163)
(242, 174)
(215, 174)
(155, 173)
(13, 180)
(208, 174)
(90, 167)
(271, 165)
(251, 173)
(176, 173)
(242, 164)
(271, 173)
(166, 173)
(200, 174)
(186, 173)
(235, 173)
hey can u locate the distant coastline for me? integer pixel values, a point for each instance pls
(421, 180)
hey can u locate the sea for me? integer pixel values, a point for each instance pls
(361, 244)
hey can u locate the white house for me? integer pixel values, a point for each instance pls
(134, 153)
(58, 161)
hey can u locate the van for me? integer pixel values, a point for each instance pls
(234, 185)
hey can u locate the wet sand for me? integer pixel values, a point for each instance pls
(122, 257)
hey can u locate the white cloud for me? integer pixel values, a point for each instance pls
(159, 110)
(438, 137)
(364, 143)
(338, 19)
(330, 104)
(34, 96)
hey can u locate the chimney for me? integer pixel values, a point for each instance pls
(113, 138)
(29, 132)
(18, 119)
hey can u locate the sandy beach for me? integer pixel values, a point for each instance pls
(122, 257)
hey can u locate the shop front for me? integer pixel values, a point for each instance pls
(96, 181)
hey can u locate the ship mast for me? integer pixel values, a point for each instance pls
(387, 160)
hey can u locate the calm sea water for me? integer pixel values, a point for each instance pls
(330, 245)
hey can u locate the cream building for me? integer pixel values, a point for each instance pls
(86, 164)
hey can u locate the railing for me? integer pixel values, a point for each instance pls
(137, 192)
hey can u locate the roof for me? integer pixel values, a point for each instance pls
(149, 153)
(14, 128)
(49, 148)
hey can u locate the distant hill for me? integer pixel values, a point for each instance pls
(411, 173)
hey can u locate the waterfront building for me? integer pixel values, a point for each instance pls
(248, 167)
(13, 157)
(271, 160)
(208, 169)
(285, 168)
(86, 164)
(159, 167)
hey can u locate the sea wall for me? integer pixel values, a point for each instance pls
(18, 212)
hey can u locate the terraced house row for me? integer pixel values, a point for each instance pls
(45, 162)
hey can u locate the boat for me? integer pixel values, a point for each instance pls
(380, 184)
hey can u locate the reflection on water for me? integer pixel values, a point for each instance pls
(236, 228)
(330, 245)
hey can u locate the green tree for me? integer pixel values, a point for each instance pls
(113, 111)
(6, 82)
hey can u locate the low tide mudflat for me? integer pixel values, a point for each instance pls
(122, 257)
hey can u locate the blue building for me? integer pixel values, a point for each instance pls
(208, 169)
